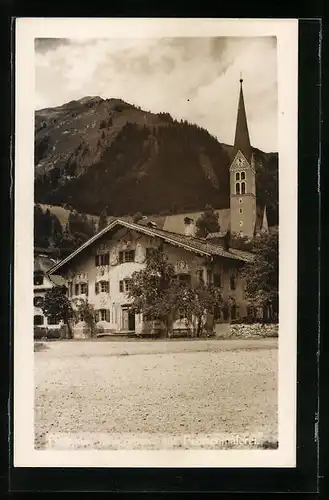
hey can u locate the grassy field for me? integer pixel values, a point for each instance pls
(156, 394)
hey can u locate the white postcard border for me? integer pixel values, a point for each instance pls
(27, 29)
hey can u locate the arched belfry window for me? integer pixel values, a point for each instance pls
(243, 176)
(243, 187)
(237, 188)
(237, 176)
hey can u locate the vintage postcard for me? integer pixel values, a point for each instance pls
(155, 243)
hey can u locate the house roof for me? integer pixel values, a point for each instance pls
(193, 244)
(57, 279)
(42, 263)
(219, 234)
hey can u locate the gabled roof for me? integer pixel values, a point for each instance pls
(42, 263)
(242, 139)
(196, 245)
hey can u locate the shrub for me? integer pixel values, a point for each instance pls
(54, 333)
(40, 332)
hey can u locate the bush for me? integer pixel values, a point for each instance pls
(40, 332)
(54, 333)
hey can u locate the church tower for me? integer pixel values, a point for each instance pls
(242, 177)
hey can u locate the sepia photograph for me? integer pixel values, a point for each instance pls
(156, 181)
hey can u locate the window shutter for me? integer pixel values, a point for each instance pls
(96, 260)
(87, 289)
(96, 288)
(121, 286)
(108, 287)
(108, 315)
(107, 259)
(77, 289)
(120, 257)
(96, 316)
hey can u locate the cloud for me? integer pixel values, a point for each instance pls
(192, 78)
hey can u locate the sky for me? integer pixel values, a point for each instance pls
(196, 79)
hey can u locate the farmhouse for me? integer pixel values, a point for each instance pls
(101, 269)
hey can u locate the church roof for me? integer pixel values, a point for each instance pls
(242, 139)
(175, 223)
(193, 244)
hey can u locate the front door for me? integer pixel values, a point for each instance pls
(131, 320)
(128, 319)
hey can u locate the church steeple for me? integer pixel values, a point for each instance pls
(242, 177)
(242, 140)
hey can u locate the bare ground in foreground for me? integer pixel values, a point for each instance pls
(158, 394)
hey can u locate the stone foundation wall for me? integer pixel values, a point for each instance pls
(246, 331)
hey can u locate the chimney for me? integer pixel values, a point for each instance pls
(189, 227)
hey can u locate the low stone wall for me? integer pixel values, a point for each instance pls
(247, 331)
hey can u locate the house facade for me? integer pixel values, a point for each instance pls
(100, 272)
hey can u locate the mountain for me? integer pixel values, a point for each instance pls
(95, 153)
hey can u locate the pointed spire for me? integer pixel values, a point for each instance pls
(242, 140)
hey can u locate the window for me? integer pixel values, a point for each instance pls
(38, 279)
(102, 287)
(127, 284)
(237, 188)
(233, 312)
(124, 285)
(76, 289)
(38, 320)
(52, 321)
(181, 315)
(84, 288)
(38, 301)
(243, 187)
(102, 260)
(241, 210)
(250, 311)
(243, 176)
(217, 280)
(237, 176)
(70, 286)
(200, 275)
(127, 256)
(225, 313)
(233, 282)
(209, 277)
(104, 315)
